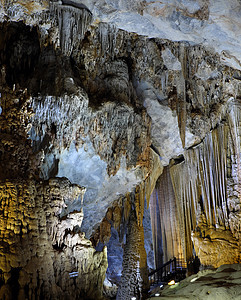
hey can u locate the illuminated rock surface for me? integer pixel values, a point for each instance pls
(41, 245)
(223, 283)
(85, 103)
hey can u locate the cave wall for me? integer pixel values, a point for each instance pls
(41, 247)
(41, 242)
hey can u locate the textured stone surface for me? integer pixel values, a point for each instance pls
(108, 108)
(213, 23)
(83, 148)
(206, 203)
(41, 246)
(134, 281)
(223, 283)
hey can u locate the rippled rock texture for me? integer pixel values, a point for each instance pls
(41, 246)
(87, 104)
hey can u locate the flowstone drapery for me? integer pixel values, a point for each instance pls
(199, 198)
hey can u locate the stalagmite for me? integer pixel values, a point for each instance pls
(35, 238)
(134, 282)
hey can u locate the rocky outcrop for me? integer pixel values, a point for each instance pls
(221, 283)
(43, 251)
(41, 246)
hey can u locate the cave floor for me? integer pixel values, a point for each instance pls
(223, 283)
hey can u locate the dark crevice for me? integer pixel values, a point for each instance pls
(201, 203)
(178, 160)
(42, 70)
(2, 282)
(155, 150)
(13, 282)
(58, 247)
(19, 52)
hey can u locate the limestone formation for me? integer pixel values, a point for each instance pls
(41, 246)
(202, 197)
(106, 106)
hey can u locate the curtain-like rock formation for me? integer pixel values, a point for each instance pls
(167, 222)
(201, 196)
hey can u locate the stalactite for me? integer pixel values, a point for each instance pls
(111, 119)
(140, 202)
(234, 125)
(156, 229)
(205, 190)
(72, 24)
(234, 170)
(181, 201)
(108, 35)
(207, 169)
(181, 95)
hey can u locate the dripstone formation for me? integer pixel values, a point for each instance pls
(97, 122)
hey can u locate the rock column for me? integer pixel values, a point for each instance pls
(134, 275)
